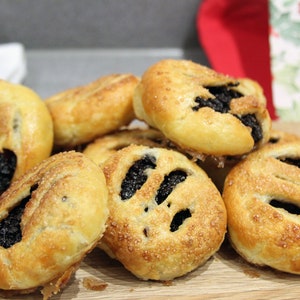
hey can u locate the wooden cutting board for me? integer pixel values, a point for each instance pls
(224, 276)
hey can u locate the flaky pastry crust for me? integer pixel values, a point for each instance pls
(262, 197)
(166, 99)
(83, 113)
(104, 147)
(174, 221)
(218, 173)
(63, 220)
(26, 126)
(280, 136)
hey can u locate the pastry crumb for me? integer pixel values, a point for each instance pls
(94, 284)
(167, 282)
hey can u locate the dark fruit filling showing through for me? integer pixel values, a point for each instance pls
(167, 186)
(251, 121)
(8, 163)
(10, 230)
(169, 183)
(136, 176)
(291, 161)
(179, 218)
(289, 207)
(221, 103)
(274, 140)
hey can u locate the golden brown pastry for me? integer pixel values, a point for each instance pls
(104, 147)
(262, 197)
(218, 170)
(83, 113)
(50, 218)
(166, 216)
(280, 136)
(26, 131)
(202, 110)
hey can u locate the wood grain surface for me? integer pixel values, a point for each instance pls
(224, 276)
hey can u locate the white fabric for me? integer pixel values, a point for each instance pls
(12, 62)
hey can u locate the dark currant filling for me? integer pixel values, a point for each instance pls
(169, 183)
(274, 140)
(221, 103)
(251, 121)
(8, 163)
(289, 207)
(10, 230)
(291, 161)
(167, 186)
(136, 176)
(179, 218)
